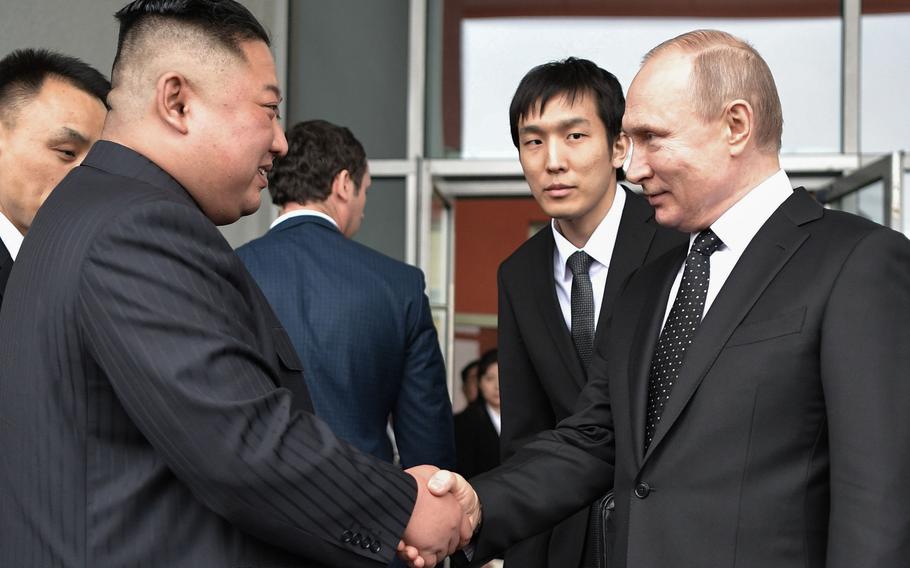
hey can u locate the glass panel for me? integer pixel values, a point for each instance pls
(438, 276)
(868, 202)
(804, 54)
(384, 223)
(348, 63)
(905, 203)
(885, 124)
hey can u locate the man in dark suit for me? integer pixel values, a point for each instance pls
(152, 407)
(566, 118)
(772, 431)
(359, 320)
(52, 108)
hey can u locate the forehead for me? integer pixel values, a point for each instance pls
(560, 108)
(659, 92)
(260, 64)
(59, 103)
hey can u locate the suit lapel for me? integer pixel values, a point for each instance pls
(544, 285)
(6, 265)
(645, 340)
(633, 240)
(774, 244)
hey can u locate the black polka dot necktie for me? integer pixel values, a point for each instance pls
(678, 332)
(582, 306)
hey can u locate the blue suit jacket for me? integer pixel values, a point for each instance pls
(361, 323)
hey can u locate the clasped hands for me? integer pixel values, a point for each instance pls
(445, 517)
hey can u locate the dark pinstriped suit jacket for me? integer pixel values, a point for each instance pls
(143, 419)
(361, 323)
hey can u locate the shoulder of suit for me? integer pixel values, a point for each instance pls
(530, 251)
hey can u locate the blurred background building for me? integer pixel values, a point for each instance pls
(426, 84)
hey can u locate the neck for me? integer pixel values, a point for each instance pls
(579, 230)
(760, 168)
(311, 206)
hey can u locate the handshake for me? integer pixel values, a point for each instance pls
(446, 514)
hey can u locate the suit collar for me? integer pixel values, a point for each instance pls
(774, 244)
(119, 160)
(633, 240)
(6, 265)
(299, 220)
(10, 237)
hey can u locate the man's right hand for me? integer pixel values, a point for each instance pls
(443, 485)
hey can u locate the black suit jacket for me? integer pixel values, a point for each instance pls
(6, 266)
(476, 440)
(540, 373)
(146, 402)
(784, 442)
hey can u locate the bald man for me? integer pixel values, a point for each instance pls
(751, 410)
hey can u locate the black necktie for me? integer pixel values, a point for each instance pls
(678, 332)
(582, 306)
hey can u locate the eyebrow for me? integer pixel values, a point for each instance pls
(67, 134)
(643, 127)
(274, 89)
(563, 125)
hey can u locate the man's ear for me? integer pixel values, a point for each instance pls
(738, 123)
(172, 98)
(621, 145)
(343, 186)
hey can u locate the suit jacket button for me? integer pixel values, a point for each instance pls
(347, 535)
(375, 547)
(366, 542)
(642, 490)
(356, 540)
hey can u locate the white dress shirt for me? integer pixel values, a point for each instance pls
(300, 213)
(495, 418)
(599, 247)
(736, 228)
(12, 238)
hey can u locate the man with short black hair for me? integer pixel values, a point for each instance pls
(566, 119)
(359, 320)
(52, 108)
(752, 406)
(154, 413)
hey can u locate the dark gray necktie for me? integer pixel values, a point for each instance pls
(582, 306)
(678, 332)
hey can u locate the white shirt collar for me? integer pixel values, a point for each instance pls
(300, 213)
(739, 224)
(495, 418)
(600, 244)
(12, 238)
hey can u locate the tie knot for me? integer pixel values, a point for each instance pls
(706, 243)
(579, 263)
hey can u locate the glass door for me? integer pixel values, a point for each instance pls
(439, 262)
(873, 191)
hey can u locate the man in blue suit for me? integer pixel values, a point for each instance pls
(359, 320)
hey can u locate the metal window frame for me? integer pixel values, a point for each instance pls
(471, 177)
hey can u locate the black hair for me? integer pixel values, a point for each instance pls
(226, 22)
(572, 78)
(24, 71)
(317, 152)
(466, 370)
(486, 361)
